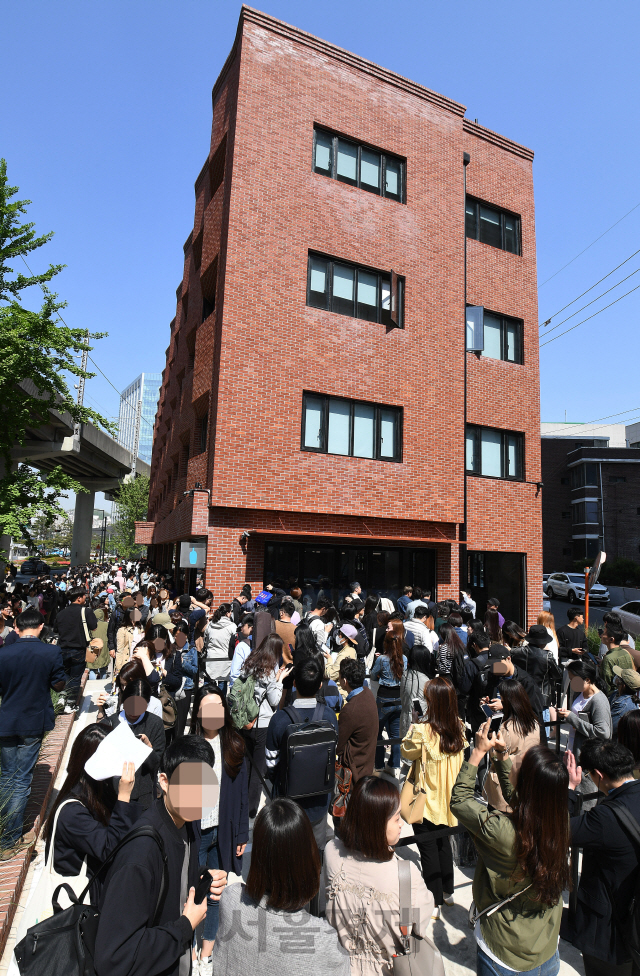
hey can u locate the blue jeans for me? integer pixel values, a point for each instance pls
(210, 858)
(389, 719)
(18, 756)
(487, 967)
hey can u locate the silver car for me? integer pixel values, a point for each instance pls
(630, 616)
(570, 586)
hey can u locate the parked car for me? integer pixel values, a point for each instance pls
(546, 602)
(34, 567)
(570, 586)
(630, 616)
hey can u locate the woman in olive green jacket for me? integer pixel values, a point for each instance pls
(522, 856)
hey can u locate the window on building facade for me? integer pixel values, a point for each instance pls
(492, 226)
(615, 479)
(502, 338)
(585, 512)
(362, 293)
(495, 453)
(358, 165)
(584, 474)
(331, 425)
(564, 481)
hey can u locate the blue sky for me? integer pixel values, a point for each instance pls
(106, 122)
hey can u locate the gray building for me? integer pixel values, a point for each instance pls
(591, 494)
(145, 388)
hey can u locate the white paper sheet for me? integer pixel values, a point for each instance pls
(119, 747)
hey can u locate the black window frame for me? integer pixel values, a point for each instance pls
(503, 214)
(504, 448)
(378, 407)
(579, 476)
(382, 317)
(580, 509)
(401, 197)
(505, 321)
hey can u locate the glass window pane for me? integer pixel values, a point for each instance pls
(324, 145)
(392, 178)
(385, 287)
(491, 453)
(490, 227)
(388, 424)
(472, 461)
(370, 170)
(513, 467)
(512, 337)
(492, 332)
(367, 296)
(470, 221)
(313, 411)
(591, 511)
(347, 162)
(343, 289)
(339, 426)
(318, 290)
(363, 426)
(511, 233)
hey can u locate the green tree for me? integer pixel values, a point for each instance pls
(133, 504)
(37, 347)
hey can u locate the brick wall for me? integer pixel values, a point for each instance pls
(254, 356)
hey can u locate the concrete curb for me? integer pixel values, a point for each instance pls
(14, 872)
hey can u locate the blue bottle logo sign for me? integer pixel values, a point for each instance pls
(193, 556)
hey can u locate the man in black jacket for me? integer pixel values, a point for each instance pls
(128, 943)
(502, 668)
(610, 860)
(75, 624)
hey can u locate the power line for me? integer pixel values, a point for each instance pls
(589, 317)
(596, 299)
(590, 245)
(122, 400)
(608, 417)
(543, 324)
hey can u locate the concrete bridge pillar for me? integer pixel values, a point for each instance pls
(82, 528)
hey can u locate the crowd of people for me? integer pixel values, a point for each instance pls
(312, 728)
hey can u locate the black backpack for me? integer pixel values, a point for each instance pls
(307, 755)
(64, 944)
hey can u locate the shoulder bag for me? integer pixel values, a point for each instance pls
(412, 798)
(64, 944)
(475, 915)
(420, 957)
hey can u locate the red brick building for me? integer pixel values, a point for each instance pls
(315, 377)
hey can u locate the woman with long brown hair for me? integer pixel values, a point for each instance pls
(263, 666)
(520, 730)
(388, 669)
(225, 828)
(492, 626)
(523, 857)
(435, 746)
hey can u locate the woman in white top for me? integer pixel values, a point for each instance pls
(363, 902)
(547, 620)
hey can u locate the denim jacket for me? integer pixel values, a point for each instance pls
(382, 667)
(189, 665)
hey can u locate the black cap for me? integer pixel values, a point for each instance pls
(498, 652)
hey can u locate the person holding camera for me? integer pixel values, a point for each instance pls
(522, 866)
(520, 730)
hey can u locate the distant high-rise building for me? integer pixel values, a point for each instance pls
(145, 387)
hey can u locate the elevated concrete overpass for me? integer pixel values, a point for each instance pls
(87, 454)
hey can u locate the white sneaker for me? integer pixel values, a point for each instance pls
(195, 966)
(448, 899)
(206, 967)
(435, 915)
